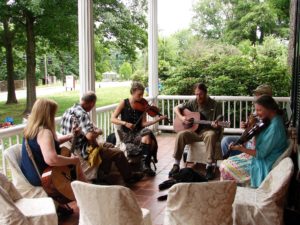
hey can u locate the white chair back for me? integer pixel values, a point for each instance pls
(286, 153)
(106, 205)
(13, 156)
(200, 203)
(275, 185)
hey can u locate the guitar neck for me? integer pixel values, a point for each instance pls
(207, 122)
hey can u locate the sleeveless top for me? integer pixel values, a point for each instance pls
(130, 115)
(27, 166)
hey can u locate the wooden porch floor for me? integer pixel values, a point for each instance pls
(146, 191)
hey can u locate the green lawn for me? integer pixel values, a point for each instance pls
(106, 96)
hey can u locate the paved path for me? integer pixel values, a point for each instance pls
(43, 90)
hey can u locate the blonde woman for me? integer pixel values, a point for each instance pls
(44, 143)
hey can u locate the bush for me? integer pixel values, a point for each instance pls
(235, 74)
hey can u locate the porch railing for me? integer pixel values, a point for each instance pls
(234, 109)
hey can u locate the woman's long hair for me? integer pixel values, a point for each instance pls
(269, 103)
(41, 116)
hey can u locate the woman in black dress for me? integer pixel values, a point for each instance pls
(139, 140)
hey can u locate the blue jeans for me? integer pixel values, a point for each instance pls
(226, 141)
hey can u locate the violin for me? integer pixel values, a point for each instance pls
(144, 106)
(255, 130)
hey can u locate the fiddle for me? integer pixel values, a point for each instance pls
(144, 106)
(255, 130)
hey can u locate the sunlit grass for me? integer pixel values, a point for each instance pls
(106, 96)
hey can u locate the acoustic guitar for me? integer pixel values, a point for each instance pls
(56, 180)
(194, 121)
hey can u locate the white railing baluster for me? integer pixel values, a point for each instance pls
(223, 109)
(228, 111)
(234, 113)
(246, 112)
(168, 101)
(163, 110)
(241, 118)
(2, 158)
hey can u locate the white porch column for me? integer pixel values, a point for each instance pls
(86, 49)
(152, 48)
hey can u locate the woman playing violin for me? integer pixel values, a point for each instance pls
(139, 140)
(255, 164)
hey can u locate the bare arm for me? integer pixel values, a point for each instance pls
(63, 138)
(46, 141)
(146, 123)
(242, 148)
(116, 113)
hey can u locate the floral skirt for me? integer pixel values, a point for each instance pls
(237, 168)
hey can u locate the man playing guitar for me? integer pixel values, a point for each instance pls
(210, 110)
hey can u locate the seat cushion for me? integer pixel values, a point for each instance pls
(38, 210)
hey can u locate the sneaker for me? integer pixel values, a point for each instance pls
(135, 177)
(174, 170)
(209, 173)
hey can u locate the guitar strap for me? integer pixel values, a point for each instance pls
(28, 149)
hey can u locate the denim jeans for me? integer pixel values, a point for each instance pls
(226, 141)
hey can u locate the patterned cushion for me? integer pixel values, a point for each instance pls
(200, 203)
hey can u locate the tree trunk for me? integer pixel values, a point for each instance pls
(8, 36)
(31, 63)
(292, 34)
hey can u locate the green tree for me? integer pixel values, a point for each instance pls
(7, 35)
(122, 26)
(210, 18)
(237, 20)
(125, 71)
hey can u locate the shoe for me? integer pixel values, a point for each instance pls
(166, 184)
(135, 177)
(162, 198)
(64, 211)
(146, 167)
(174, 170)
(147, 170)
(209, 173)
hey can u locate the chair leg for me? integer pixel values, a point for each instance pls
(155, 168)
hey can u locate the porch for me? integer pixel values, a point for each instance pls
(234, 109)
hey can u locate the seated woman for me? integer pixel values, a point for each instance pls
(44, 143)
(138, 139)
(270, 143)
